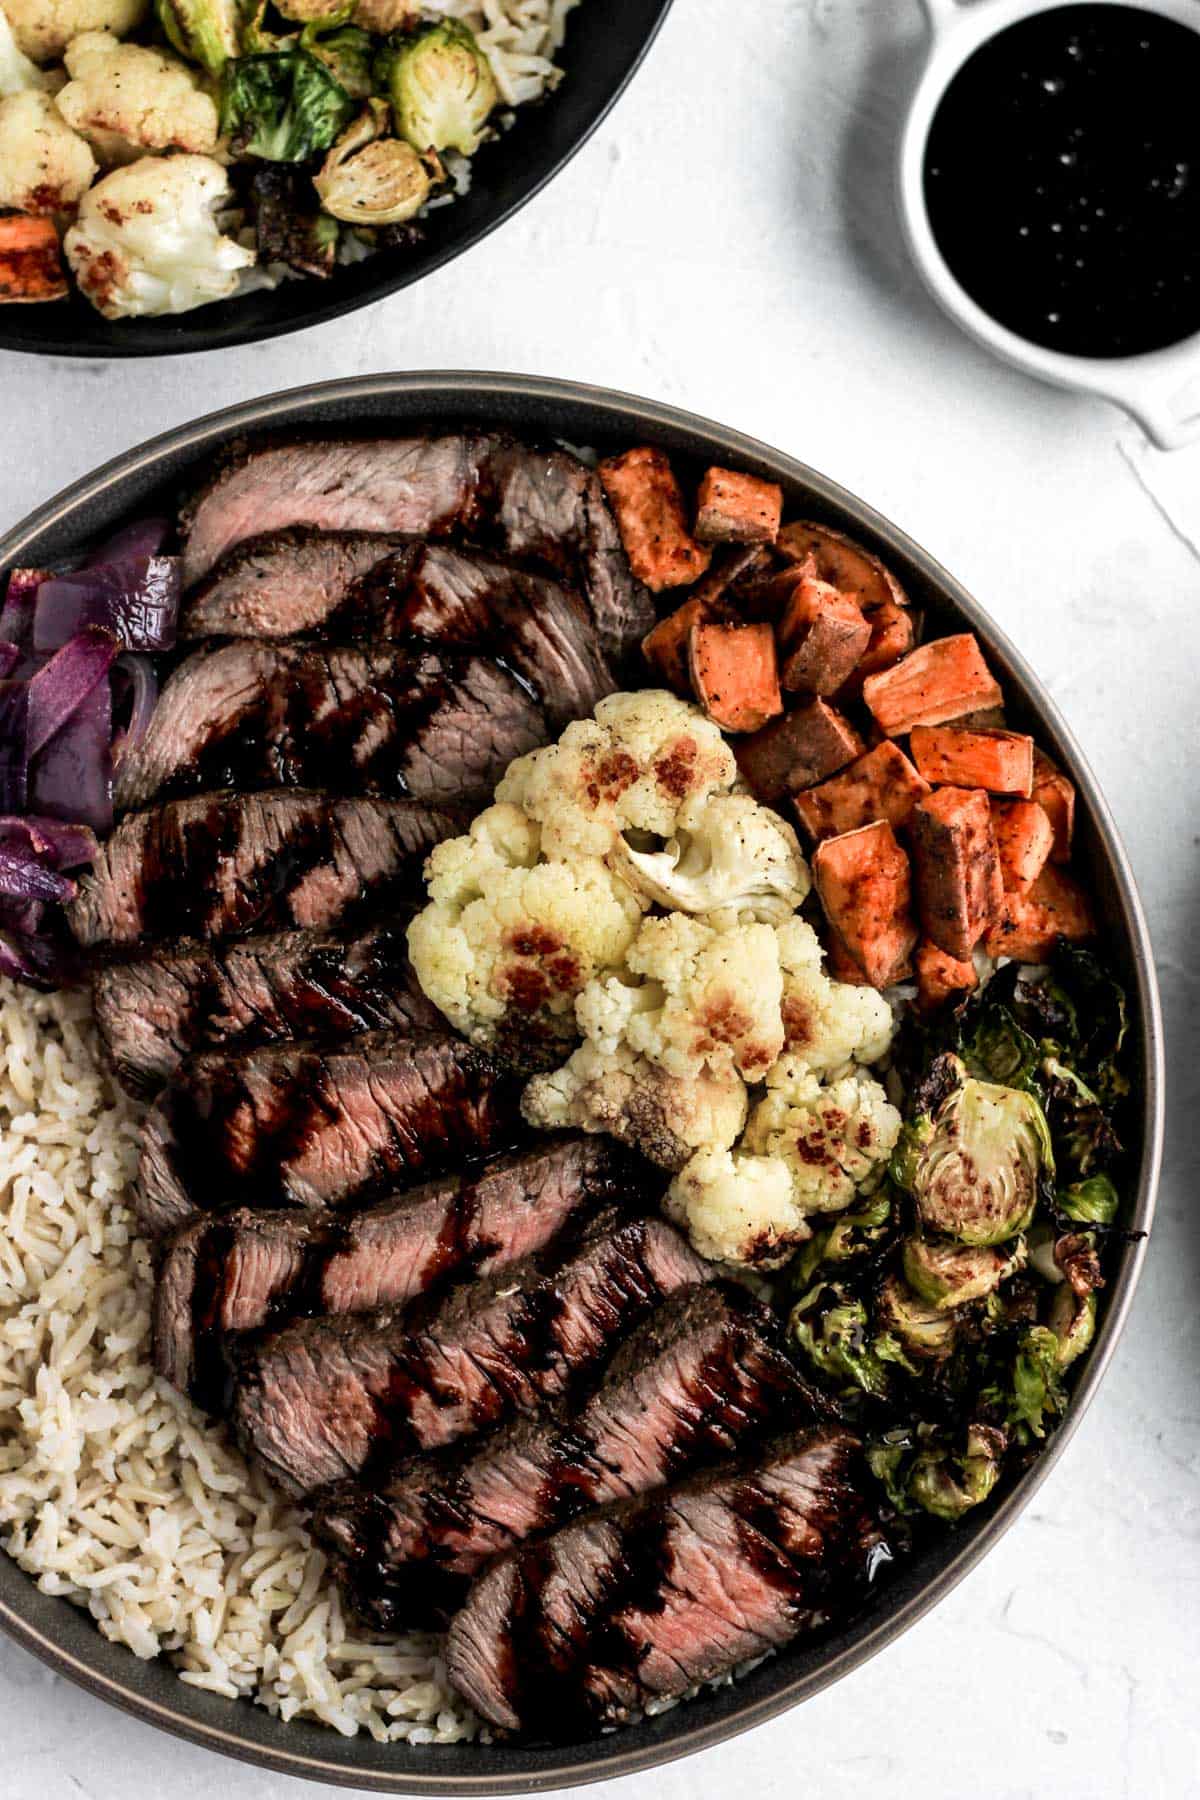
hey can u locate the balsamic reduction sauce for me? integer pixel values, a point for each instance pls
(1062, 179)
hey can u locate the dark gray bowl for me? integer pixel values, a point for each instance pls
(64, 1637)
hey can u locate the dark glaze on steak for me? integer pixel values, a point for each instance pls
(301, 1126)
(357, 720)
(328, 1398)
(705, 1371)
(545, 505)
(219, 1277)
(284, 584)
(222, 865)
(649, 1597)
(324, 987)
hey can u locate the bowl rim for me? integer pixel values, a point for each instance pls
(466, 395)
(341, 303)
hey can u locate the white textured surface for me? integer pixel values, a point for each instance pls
(727, 243)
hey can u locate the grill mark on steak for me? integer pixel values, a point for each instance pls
(545, 505)
(375, 719)
(328, 1398)
(296, 1125)
(222, 865)
(157, 1010)
(705, 1371)
(220, 1277)
(643, 1600)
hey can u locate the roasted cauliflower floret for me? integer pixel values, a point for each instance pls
(508, 941)
(146, 241)
(124, 97)
(17, 71)
(709, 998)
(833, 1139)
(726, 851)
(634, 1100)
(44, 28)
(826, 1023)
(44, 166)
(634, 767)
(737, 1208)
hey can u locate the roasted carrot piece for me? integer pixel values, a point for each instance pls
(957, 869)
(939, 977)
(881, 785)
(864, 884)
(30, 262)
(1029, 925)
(648, 505)
(1024, 839)
(948, 755)
(822, 634)
(841, 562)
(1055, 794)
(732, 508)
(939, 681)
(797, 750)
(734, 674)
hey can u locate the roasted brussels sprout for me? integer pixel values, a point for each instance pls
(849, 1238)
(833, 1329)
(346, 51)
(910, 1330)
(206, 31)
(371, 179)
(997, 1049)
(924, 1470)
(948, 1274)
(1073, 1321)
(1077, 1119)
(288, 225)
(1091, 1202)
(975, 1169)
(281, 107)
(441, 88)
(1029, 1393)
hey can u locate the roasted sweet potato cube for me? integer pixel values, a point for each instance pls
(822, 634)
(881, 785)
(1055, 794)
(892, 636)
(1029, 925)
(734, 674)
(841, 966)
(941, 977)
(957, 870)
(797, 750)
(864, 884)
(732, 508)
(1024, 839)
(939, 681)
(649, 510)
(666, 647)
(952, 756)
(841, 562)
(30, 260)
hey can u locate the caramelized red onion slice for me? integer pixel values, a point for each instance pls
(142, 537)
(136, 599)
(63, 686)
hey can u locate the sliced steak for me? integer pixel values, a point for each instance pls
(690, 1385)
(640, 1602)
(361, 720)
(222, 865)
(283, 585)
(299, 1126)
(222, 1276)
(328, 1398)
(305, 582)
(546, 505)
(157, 1010)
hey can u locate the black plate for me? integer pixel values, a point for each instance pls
(150, 477)
(605, 42)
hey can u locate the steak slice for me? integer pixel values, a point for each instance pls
(692, 1383)
(327, 1398)
(531, 503)
(640, 1602)
(223, 1276)
(374, 719)
(299, 1126)
(282, 585)
(157, 1010)
(221, 865)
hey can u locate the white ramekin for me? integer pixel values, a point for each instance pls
(1160, 389)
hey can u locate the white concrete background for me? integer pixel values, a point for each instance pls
(728, 242)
